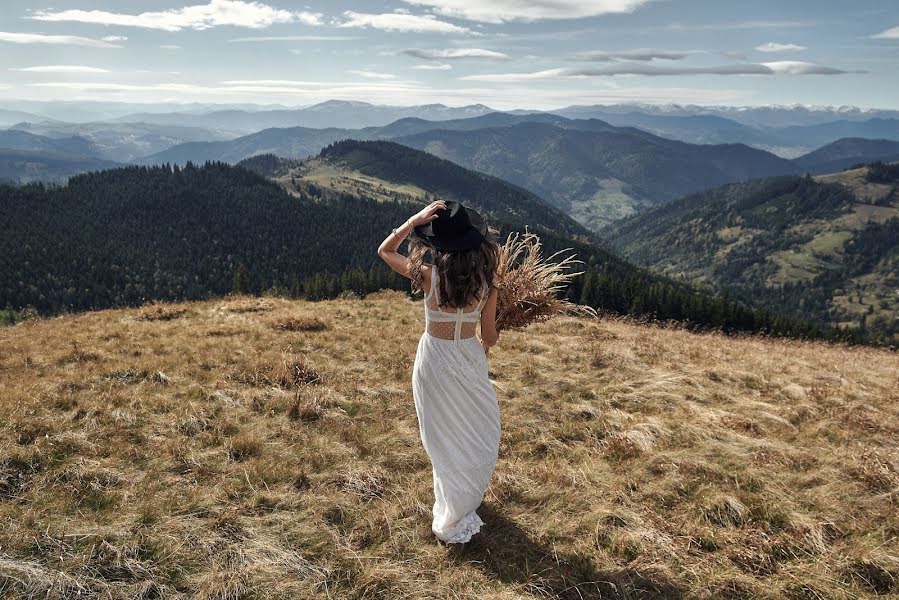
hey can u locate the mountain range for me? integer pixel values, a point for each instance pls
(594, 171)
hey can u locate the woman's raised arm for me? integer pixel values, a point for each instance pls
(388, 248)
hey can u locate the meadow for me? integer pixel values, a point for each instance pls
(254, 447)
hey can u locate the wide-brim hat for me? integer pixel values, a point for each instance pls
(455, 228)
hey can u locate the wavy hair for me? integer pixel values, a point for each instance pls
(461, 273)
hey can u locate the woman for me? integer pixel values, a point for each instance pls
(458, 414)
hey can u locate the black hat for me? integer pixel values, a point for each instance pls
(455, 228)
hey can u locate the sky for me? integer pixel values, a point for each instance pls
(532, 54)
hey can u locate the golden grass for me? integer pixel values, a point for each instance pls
(635, 462)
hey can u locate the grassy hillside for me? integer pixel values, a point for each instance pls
(826, 246)
(261, 448)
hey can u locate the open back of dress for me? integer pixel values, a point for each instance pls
(456, 325)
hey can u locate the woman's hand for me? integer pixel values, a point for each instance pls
(427, 214)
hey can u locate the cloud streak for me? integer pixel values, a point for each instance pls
(776, 47)
(453, 53)
(401, 21)
(63, 40)
(371, 74)
(768, 68)
(62, 69)
(887, 34)
(502, 11)
(295, 38)
(642, 54)
(238, 13)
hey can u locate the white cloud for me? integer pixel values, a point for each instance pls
(238, 13)
(889, 34)
(798, 67)
(433, 67)
(501, 11)
(69, 40)
(115, 38)
(401, 22)
(372, 74)
(644, 54)
(170, 47)
(776, 47)
(770, 68)
(453, 53)
(62, 69)
(296, 38)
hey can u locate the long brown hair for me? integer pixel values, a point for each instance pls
(461, 273)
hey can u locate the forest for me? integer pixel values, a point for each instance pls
(127, 236)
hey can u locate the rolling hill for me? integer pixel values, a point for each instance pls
(369, 168)
(330, 114)
(15, 139)
(588, 168)
(125, 236)
(268, 448)
(847, 152)
(827, 246)
(22, 167)
(601, 174)
(125, 141)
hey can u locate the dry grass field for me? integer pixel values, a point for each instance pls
(251, 448)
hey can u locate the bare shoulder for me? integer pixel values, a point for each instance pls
(426, 277)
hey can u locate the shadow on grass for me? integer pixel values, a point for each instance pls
(506, 553)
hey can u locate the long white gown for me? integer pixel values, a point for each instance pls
(458, 415)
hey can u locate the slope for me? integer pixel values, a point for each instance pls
(126, 236)
(20, 166)
(598, 176)
(825, 246)
(267, 448)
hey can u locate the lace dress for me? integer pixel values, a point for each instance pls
(458, 415)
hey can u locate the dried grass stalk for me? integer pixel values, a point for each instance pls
(527, 283)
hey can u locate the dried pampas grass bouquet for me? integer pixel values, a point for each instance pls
(527, 284)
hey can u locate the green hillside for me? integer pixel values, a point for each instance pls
(826, 246)
(127, 236)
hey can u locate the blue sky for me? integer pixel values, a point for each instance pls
(503, 53)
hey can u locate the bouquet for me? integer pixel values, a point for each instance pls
(527, 283)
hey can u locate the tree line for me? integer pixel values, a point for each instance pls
(127, 236)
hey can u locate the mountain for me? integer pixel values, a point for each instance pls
(11, 117)
(126, 141)
(302, 142)
(599, 173)
(330, 114)
(826, 246)
(755, 116)
(19, 166)
(847, 152)
(785, 141)
(129, 235)
(13, 139)
(386, 170)
(294, 142)
(592, 170)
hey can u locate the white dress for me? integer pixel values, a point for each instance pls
(458, 415)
